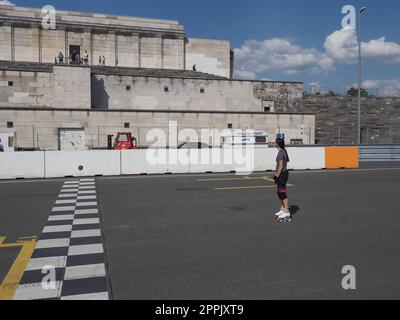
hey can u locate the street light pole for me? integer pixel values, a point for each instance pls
(359, 73)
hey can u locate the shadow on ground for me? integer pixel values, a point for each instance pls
(294, 210)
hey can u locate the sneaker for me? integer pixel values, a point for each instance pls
(279, 213)
(284, 215)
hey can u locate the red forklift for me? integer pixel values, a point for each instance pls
(123, 141)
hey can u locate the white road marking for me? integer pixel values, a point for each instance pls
(61, 218)
(87, 198)
(72, 182)
(69, 190)
(85, 249)
(65, 212)
(35, 291)
(51, 229)
(86, 233)
(71, 186)
(59, 209)
(39, 263)
(86, 211)
(70, 201)
(68, 195)
(86, 204)
(87, 271)
(78, 222)
(53, 243)
(86, 192)
(92, 296)
(87, 188)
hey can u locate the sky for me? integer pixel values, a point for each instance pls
(288, 40)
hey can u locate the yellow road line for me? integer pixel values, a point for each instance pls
(236, 179)
(14, 276)
(241, 188)
(249, 187)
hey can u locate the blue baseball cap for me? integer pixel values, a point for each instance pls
(280, 136)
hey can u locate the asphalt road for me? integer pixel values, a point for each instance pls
(214, 236)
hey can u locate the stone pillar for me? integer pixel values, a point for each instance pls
(86, 43)
(162, 52)
(151, 51)
(40, 44)
(136, 50)
(12, 43)
(91, 62)
(139, 50)
(66, 47)
(116, 48)
(5, 42)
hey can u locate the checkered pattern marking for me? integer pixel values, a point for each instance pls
(68, 262)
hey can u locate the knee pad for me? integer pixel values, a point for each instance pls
(282, 195)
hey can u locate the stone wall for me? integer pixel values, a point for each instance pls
(134, 42)
(128, 51)
(22, 88)
(72, 87)
(173, 51)
(5, 43)
(52, 41)
(35, 128)
(64, 87)
(40, 99)
(158, 93)
(209, 56)
(26, 44)
(337, 119)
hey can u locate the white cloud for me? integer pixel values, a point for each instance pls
(245, 74)
(6, 3)
(342, 46)
(255, 57)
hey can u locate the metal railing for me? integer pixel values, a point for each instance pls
(377, 153)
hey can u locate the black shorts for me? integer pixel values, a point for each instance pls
(282, 181)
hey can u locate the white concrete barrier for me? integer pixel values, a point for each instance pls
(315, 158)
(55, 164)
(298, 158)
(155, 161)
(207, 160)
(28, 165)
(222, 160)
(82, 163)
(306, 158)
(265, 159)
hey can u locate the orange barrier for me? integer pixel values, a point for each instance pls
(342, 157)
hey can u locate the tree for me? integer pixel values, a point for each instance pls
(332, 94)
(353, 92)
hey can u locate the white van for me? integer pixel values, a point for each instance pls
(244, 137)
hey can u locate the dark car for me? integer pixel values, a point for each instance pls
(194, 145)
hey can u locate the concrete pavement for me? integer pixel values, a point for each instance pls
(214, 236)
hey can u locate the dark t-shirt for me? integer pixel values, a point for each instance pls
(282, 155)
(1, 148)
